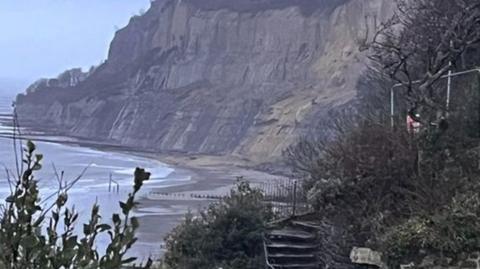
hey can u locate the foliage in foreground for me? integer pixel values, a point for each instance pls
(407, 195)
(228, 235)
(450, 231)
(35, 235)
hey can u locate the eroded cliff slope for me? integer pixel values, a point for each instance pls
(237, 77)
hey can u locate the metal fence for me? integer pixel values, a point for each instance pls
(286, 197)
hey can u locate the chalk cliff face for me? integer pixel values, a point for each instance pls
(243, 77)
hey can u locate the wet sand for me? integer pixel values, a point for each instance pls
(159, 213)
(211, 176)
(161, 209)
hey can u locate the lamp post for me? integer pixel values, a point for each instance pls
(449, 76)
(449, 82)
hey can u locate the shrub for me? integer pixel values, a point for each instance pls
(409, 195)
(449, 231)
(25, 241)
(229, 234)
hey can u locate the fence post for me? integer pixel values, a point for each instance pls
(294, 197)
(110, 183)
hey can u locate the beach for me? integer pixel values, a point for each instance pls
(180, 182)
(211, 176)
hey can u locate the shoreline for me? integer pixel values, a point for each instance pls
(209, 178)
(224, 170)
(161, 209)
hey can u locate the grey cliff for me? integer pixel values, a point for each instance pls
(236, 77)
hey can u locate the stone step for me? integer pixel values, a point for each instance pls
(296, 266)
(307, 225)
(290, 234)
(283, 258)
(291, 256)
(291, 246)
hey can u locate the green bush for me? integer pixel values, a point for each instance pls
(32, 236)
(229, 234)
(451, 231)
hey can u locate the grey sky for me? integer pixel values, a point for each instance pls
(41, 38)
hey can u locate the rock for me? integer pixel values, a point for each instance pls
(366, 256)
(213, 77)
(408, 266)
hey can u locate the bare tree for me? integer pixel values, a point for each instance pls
(415, 47)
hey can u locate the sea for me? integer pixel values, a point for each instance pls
(101, 174)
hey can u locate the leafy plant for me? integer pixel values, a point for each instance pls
(27, 242)
(226, 235)
(451, 231)
(409, 195)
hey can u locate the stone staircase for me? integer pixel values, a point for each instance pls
(292, 245)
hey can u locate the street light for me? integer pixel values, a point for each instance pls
(450, 75)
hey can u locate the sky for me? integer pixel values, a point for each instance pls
(42, 38)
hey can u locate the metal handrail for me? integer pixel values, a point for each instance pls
(269, 265)
(392, 89)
